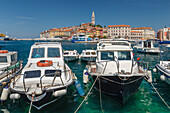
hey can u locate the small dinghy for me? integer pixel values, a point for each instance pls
(71, 55)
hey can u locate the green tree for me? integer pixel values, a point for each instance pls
(99, 26)
(104, 37)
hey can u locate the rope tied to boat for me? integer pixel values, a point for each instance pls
(87, 94)
(33, 95)
(160, 96)
(100, 90)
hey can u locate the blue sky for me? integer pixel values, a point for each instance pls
(27, 18)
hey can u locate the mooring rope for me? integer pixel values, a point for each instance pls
(160, 96)
(87, 95)
(100, 95)
(31, 102)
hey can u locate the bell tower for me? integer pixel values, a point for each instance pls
(93, 18)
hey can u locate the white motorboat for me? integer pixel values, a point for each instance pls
(148, 46)
(164, 66)
(88, 55)
(71, 55)
(116, 71)
(80, 38)
(45, 78)
(9, 65)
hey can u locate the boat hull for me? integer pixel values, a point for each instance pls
(43, 100)
(120, 89)
(71, 58)
(86, 59)
(152, 51)
(165, 72)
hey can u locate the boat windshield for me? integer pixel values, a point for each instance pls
(38, 53)
(32, 74)
(87, 53)
(52, 73)
(66, 53)
(107, 55)
(147, 44)
(3, 59)
(124, 55)
(53, 52)
(93, 53)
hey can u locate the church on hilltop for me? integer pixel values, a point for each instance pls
(92, 21)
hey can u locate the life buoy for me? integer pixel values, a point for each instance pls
(44, 63)
(3, 51)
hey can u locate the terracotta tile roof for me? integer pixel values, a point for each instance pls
(68, 30)
(136, 32)
(137, 28)
(119, 26)
(85, 24)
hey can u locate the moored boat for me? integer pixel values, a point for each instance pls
(88, 55)
(80, 38)
(116, 71)
(7, 38)
(164, 66)
(9, 65)
(45, 78)
(148, 46)
(70, 55)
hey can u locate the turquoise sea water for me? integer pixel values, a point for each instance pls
(145, 100)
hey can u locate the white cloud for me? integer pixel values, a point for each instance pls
(26, 18)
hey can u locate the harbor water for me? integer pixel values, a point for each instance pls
(145, 100)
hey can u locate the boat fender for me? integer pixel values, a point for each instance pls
(85, 76)
(154, 70)
(4, 94)
(60, 93)
(162, 77)
(79, 87)
(149, 73)
(3, 51)
(14, 96)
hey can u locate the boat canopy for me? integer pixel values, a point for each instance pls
(164, 42)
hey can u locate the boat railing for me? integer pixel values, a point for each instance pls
(41, 86)
(11, 71)
(117, 63)
(55, 75)
(144, 65)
